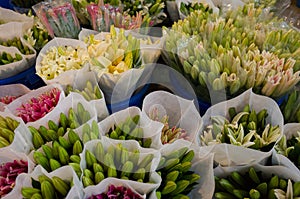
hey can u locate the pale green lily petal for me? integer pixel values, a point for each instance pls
(233, 140)
(248, 144)
(280, 194)
(238, 117)
(265, 132)
(248, 137)
(241, 133)
(220, 120)
(289, 192)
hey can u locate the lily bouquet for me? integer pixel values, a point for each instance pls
(235, 51)
(59, 18)
(103, 16)
(114, 53)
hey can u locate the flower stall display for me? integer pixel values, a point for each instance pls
(223, 54)
(60, 58)
(59, 141)
(250, 124)
(59, 18)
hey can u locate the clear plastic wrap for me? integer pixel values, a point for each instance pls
(59, 17)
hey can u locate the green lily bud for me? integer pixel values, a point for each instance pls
(211, 77)
(260, 76)
(187, 67)
(235, 86)
(218, 84)
(223, 78)
(221, 50)
(202, 78)
(236, 51)
(194, 72)
(215, 66)
(251, 78)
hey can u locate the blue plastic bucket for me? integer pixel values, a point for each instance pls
(6, 4)
(18, 9)
(28, 77)
(182, 92)
(135, 100)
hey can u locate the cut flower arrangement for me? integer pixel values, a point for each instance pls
(234, 51)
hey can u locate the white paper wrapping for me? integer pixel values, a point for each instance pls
(202, 164)
(12, 90)
(79, 82)
(30, 58)
(7, 155)
(13, 21)
(65, 173)
(9, 70)
(131, 146)
(17, 29)
(230, 4)
(67, 76)
(209, 2)
(22, 139)
(151, 129)
(179, 110)
(11, 108)
(230, 155)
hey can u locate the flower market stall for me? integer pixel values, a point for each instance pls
(149, 99)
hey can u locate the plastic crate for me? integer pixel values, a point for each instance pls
(28, 77)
